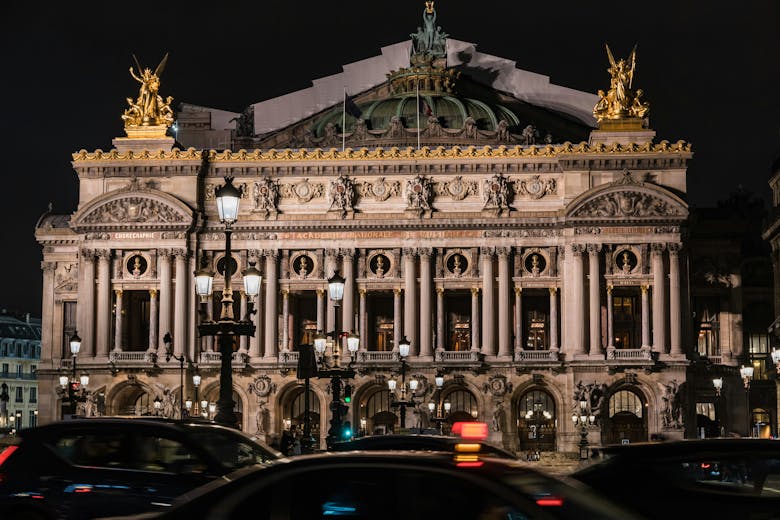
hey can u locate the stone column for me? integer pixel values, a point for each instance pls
(348, 305)
(576, 327)
(331, 266)
(397, 318)
(659, 299)
(488, 303)
(645, 318)
(243, 340)
(426, 310)
(271, 295)
(285, 320)
(475, 332)
(610, 320)
(518, 319)
(256, 341)
(675, 309)
(362, 332)
(553, 318)
(180, 303)
(594, 290)
(153, 310)
(164, 269)
(86, 305)
(321, 310)
(47, 315)
(440, 319)
(504, 316)
(410, 300)
(103, 303)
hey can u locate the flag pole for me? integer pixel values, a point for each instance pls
(417, 89)
(344, 119)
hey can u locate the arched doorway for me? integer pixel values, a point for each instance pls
(627, 420)
(379, 420)
(536, 419)
(295, 411)
(463, 408)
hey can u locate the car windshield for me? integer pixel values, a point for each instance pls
(233, 449)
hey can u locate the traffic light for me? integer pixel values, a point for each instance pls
(346, 430)
(347, 393)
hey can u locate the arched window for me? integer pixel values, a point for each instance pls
(625, 401)
(537, 402)
(463, 405)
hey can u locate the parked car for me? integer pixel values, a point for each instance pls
(421, 442)
(388, 485)
(705, 478)
(86, 468)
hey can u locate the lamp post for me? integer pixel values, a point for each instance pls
(404, 401)
(227, 328)
(168, 340)
(196, 379)
(746, 372)
(717, 382)
(335, 372)
(583, 419)
(157, 405)
(435, 407)
(71, 384)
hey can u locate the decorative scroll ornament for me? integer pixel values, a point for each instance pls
(497, 386)
(342, 195)
(149, 115)
(536, 188)
(262, 386)
(381, 189)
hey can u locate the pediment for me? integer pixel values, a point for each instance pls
(627, 199)
(138, 208)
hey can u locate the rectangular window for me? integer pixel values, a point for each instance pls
(19, 394)
(707, 316)
(34, 371)
(706, 410)
(19, 371)
(33, 418)
(759, 355)
(33, 395)
(5, 370)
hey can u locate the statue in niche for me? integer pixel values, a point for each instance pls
(266, 196)
(380, 266)
(535, 264)
(137, 267)
(626, 267)
(456, 269)
(303, 266)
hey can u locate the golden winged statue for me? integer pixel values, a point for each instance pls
(621, 101)
(149, 108)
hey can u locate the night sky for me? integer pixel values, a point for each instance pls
(710, 71)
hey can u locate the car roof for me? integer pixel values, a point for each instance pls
(411, 442)
(687, 446)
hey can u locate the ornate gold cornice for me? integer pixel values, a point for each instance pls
(379, 153)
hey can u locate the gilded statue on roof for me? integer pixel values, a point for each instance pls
(621, 101)
(149, 108)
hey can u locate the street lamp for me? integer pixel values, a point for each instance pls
(168, 340)
(157, 405)
(196, 383)
(747, 374)
(404, 401)
(717, 382)
(776, 359)
(435, 407)
(72, 384)
(336, 373)
(583, 419)
(227, 328)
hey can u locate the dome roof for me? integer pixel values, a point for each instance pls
(451, 112)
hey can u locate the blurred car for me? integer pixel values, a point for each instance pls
(418, 442)
(388, 485)
(708, 478)
(86, 468)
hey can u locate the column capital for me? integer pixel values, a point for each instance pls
(644, 288)
(487, 251)
(152, 292)
(561, 251)
(577, 249)
(553, 291)
(103, 254)
(48, 267)
(674, 248)
(440, 290)
(272, 254)
(425, 252)
(331, 253)
(657, 249)
(86, 253)
(475, 291)
(594, 249)
(362, 291)
(347, 254)
(409, 252)
(164, 253)
(180, 253)
(518, 289)
(609, 288)
(397, 291)
(503, 252)
(320, 291)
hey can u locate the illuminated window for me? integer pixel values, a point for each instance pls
(625, 401)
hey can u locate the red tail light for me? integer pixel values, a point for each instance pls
(7, 453)
(549, 501)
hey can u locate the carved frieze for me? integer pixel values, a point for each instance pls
(627, 203)
(133, 210)
(304, 190)
(535, 187)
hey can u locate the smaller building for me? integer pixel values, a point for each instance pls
(20, 355)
